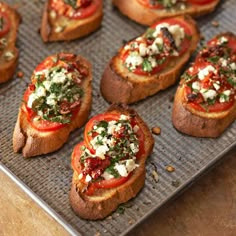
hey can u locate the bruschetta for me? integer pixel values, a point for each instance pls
(147, 12)
(109, 164)
(56, 102)
(9, 23)
(204, 104)
(151, 62)
(70, 19)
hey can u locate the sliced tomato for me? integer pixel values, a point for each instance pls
(109, 117)
(147, 3)
(93, 121)
(83, 12)
(106, 184)
(5, 24)
(76, 157)
(200, 2)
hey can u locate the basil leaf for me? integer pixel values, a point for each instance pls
(147, 66)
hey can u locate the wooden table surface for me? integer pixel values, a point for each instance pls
(206, 208)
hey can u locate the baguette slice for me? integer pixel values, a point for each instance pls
(8, 52)
(148, 16)
(211, 121)
(105, 201)
(32, 141)
(120, 85)
(58, 27)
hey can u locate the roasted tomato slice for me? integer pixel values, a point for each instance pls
(109, 117)
(200, 2)
(86, 9)
(5, 24)
(187, 30)
(104, 184)
(41, 125)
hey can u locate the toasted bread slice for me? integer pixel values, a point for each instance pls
(217, 107)
(148, 16)
(58, 27)
(119, 84)
(32, 141)
(104, 201)
(8, 51)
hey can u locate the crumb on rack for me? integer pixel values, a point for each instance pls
(155, 176)
(97, 234)
(20, 74)
(131, 221)
(215, 23)
(170, 168)
(175, 183)
(156, 130)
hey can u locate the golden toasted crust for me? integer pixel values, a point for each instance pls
(32, 142)
(7, 68)
(119, 85)
(72, 29)
(148, 16)
(105, 201)
(199, 124)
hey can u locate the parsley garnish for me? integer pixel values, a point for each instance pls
(72, 3)
(232, 81)
(213, 59)
(146, 65)
(149, 33)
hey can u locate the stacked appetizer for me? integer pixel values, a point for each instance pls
(70, 19)
(147, 12)
(57, 101)
(9, 23)
(151, 62)
(109, 165)
(204, 103)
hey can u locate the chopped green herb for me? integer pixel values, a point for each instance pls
(149, 33)
(146, 66)
(72, 3)
(232, 81)
(213, 59)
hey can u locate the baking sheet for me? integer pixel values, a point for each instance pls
(49, 176)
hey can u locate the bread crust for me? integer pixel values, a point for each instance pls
(74, 28)
(147, 16)
(32, 142)
(199, 124)
(7, 68)
(119, 85)
(105, 201)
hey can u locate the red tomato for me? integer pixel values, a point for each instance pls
(82, 12)
(147, 3)
(186, 42)
(45, 125)
(89, 126)
(5, 24)
(105, 184)
(109, 117)
(219, 107)
(76, 156)
(200, 2)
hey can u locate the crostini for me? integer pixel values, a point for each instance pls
(57, 101)
(147, 12)
(109, 165)
(151, 62)
(204, 104)
(70, 19)
(9, 23)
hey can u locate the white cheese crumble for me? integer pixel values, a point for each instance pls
(134, 60)
(222, 40)
(233, 66)
(208, 94)
(216, 86)
(204, 72)
(88, 178)
(196, 85)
